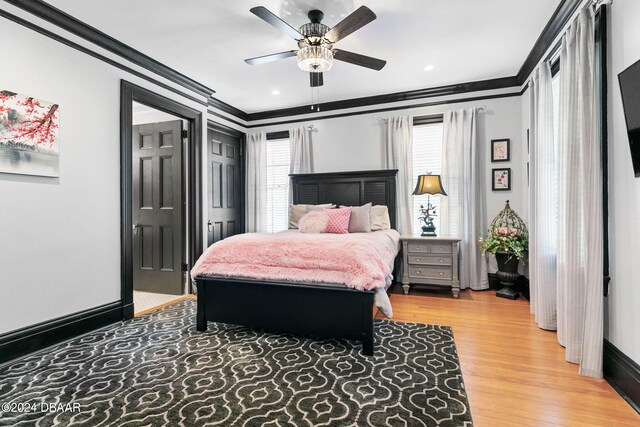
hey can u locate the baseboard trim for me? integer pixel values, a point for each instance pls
(623, 374)
(36, 337)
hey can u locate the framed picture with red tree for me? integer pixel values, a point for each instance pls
(29, 135)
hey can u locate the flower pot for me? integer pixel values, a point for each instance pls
(508, 274)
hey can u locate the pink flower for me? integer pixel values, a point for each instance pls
(502, 230)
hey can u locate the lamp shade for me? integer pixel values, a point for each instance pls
(429, 184)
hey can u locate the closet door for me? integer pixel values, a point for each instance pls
(225, 174)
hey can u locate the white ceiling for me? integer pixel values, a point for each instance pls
(208, 40)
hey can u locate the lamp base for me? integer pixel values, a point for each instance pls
(428, 231)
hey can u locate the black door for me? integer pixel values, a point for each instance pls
(226, 186)
(157, 207)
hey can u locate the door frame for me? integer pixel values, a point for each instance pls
(219, 127)
(129, 93)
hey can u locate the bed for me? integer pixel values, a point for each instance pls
(325, 310)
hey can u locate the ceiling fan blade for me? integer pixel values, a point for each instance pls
(357, 59)
(358, 19)
(316, 79)
(270, 58)
(264, 14)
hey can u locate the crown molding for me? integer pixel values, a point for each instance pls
(227, 108)
(386, 109)
(368, 101)
(73, 25)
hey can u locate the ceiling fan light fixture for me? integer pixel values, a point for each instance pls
(315, 59)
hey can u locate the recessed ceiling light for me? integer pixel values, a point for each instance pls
(275, 92)
(429, 68)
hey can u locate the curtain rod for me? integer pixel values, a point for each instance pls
(554, 53)
(312, 128)
(598, 3)
(483, 107)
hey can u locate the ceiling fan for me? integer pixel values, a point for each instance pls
(316, 41)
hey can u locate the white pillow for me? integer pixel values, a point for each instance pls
(380, 219)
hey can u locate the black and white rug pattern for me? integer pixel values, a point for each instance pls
(157, 370)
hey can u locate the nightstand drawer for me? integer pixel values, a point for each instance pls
(419, 247)
(430, 273)
(430, 260)
(440, 248)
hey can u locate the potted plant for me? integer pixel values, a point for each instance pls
(508, 240)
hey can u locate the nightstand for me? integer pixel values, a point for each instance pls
(430, 261)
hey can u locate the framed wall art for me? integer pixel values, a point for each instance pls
(500, 150)
(501, 179)
(29, 135)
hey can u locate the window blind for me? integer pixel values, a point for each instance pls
(427, 157)
(278, 160)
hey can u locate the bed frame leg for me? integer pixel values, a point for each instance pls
(367, 346)
(201, 316)
(367, 327)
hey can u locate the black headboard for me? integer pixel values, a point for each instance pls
(347, 188)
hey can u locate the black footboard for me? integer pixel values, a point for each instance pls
(326, 311)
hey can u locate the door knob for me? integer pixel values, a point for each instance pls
(210, 225)
(135, 228)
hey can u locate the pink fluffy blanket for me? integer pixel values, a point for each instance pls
(361, 261)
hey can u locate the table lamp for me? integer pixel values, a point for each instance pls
(428, 184)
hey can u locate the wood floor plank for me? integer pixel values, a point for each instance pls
(515, 373)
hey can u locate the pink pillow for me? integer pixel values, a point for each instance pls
(314, 222)
(338, 220)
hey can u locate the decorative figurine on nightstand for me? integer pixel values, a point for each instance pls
(428, 184)
(426, 216)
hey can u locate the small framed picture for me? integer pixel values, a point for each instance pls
(501, 179)
(500, 150)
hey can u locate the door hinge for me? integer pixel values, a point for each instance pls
(185, 133)
(185, 267)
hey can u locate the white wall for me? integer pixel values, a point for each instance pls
(60, 237)
(624, 189)
(355, 142)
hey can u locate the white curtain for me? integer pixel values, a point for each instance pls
(256, 180)
(398, 154)
(301, 154)
(543, 196)
(580, 265)
(462, 212)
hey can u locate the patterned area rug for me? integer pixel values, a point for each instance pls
(158, 370)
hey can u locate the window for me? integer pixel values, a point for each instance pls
(427, 157)
(278, 160)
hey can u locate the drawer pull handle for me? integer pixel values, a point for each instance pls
(418, 271)
(440, 273)
(440, 260)
(417, 259)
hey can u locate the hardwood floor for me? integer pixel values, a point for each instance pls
(514, 372)
(147, 302)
